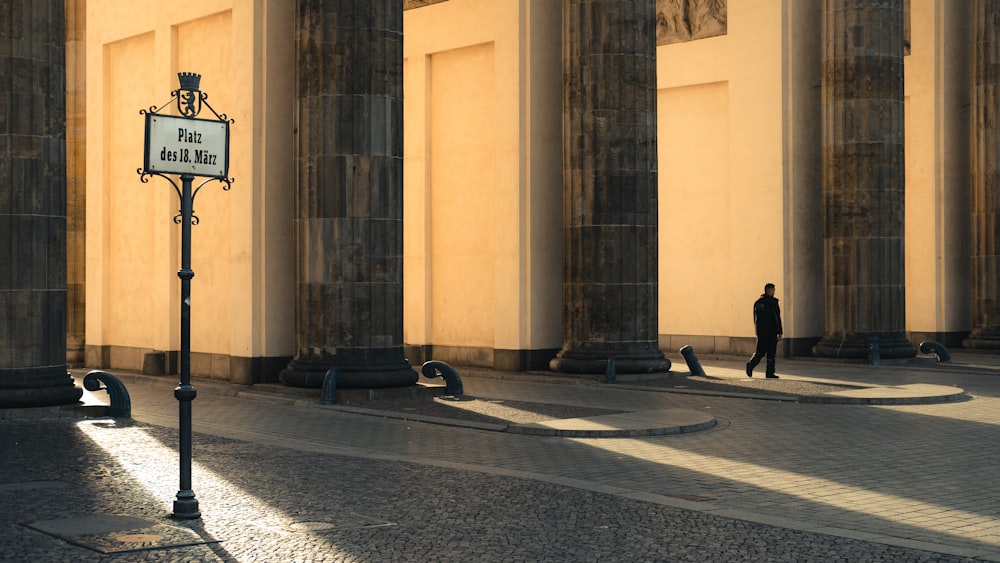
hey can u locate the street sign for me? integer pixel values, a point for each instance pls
(184, 145)
(190, 147)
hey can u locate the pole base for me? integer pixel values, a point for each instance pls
(186, 508)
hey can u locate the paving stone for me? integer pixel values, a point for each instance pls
(775, 481)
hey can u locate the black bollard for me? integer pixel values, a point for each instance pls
(936, 348)
(329, 394)
(874, 356)
(453, 382)
(121, 404)
(694, 366)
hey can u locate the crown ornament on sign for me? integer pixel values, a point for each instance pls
(189, 81)
(189, 98)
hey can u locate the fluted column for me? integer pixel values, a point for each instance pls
(863, 179)
(76, 180)
(33, 206)
(985, 178)
(349, 188)
(609, 188)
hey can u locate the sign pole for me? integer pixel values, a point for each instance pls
(186, 505)
(189, 147)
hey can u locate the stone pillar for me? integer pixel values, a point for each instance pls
(985, 178)
(33, 206)
(76, 179)
(349, 195)
(609, 188)
(863, 180)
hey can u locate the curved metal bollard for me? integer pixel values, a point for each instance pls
(121, 404)
(936, 348)
(694, 366)
(453, 383)
(329, 393)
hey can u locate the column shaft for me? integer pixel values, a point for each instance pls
(349, 205)
(76, 180)
(985, 178)
(33, 206)
(863, 179)
(609, 188)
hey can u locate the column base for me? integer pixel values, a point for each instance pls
(856, 346)
(37, 387)
(359, 369)
(983, 339)
(596, 362)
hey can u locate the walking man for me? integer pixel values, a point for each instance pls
(767, 321)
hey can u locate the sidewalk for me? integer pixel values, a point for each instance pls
(280, 477)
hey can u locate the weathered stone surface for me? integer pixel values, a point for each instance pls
(609, 188)
(863, 179)
(683, 20)
(349, 209)
(76, 180)
(33, 206)
(410, 4)
(985, 179)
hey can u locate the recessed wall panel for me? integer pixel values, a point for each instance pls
(463, 195)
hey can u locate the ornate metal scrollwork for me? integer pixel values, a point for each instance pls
(189, 99)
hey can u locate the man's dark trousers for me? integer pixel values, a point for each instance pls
(765, 347)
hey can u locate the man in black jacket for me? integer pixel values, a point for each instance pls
(767, 321)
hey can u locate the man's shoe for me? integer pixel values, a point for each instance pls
(749, 370)
(772, 376)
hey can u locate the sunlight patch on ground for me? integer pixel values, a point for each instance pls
(157, 468)
(495, 409)
(803, 488)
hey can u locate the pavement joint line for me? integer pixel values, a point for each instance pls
(963, 361)
(236, 390)
(614, 426)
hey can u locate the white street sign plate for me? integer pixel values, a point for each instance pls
(183, 145)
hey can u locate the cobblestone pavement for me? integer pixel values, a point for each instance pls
(775, 480)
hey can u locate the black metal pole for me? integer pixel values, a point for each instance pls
(185, 506)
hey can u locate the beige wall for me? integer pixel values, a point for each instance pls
(741, 181)
(937, 171)
(242, 298)
(803, 182)
(76, 181)
(482, 177)
(738, 179)
(739, 172)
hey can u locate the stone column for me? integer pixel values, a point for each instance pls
(33, 206)
(76, 180)
(863, 180)
(985, 178)
(609, 188)
(349, 195)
